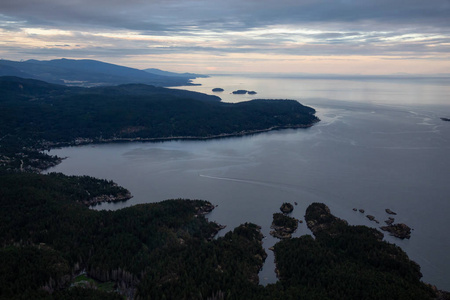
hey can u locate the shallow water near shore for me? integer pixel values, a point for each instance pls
(367, 152)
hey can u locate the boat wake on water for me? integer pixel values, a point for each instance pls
(264, 183)
(270, 184)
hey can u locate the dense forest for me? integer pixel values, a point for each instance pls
(155, 251)
(39, 115)
(165, 251)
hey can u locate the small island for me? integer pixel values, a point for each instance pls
(389, 221)
(243, 92)
(372, 218)
(240, 92)
(283, 226)
(390, 212)
(217, 90)
(286, 208)
(401, 231)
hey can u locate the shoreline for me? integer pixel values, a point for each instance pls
(48, 146)
(88, 141)
(36, 158)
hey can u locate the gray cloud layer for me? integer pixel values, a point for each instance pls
(325, 27)
(229, 15)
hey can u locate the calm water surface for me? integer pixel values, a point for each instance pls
(379, 145)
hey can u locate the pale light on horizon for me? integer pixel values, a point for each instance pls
(202, 36)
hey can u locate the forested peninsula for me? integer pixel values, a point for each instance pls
(35, 115)
(55, 247)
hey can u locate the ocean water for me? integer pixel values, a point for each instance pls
(380, 144)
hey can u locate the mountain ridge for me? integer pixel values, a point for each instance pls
(86, 73)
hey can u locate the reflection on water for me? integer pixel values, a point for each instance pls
(361, 155)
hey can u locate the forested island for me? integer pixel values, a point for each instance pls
(243, 92)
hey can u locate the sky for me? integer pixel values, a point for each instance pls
(370, 37)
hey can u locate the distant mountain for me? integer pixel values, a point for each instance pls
(7, 70)
(172, 74)
(87, 73)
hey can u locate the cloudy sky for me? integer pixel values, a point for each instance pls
(230, 36)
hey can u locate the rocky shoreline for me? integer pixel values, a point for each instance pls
(319, 219)
(53, 161)
(335, 243)
(87, 141)
(204, 210)
(107, 198)
(282, 232)
(399, 230)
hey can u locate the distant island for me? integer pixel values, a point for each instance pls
(242, 92)
(445, 119)
(217, 89)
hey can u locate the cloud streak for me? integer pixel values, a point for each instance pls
(176, 15)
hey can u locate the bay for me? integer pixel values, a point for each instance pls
(380, 144)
